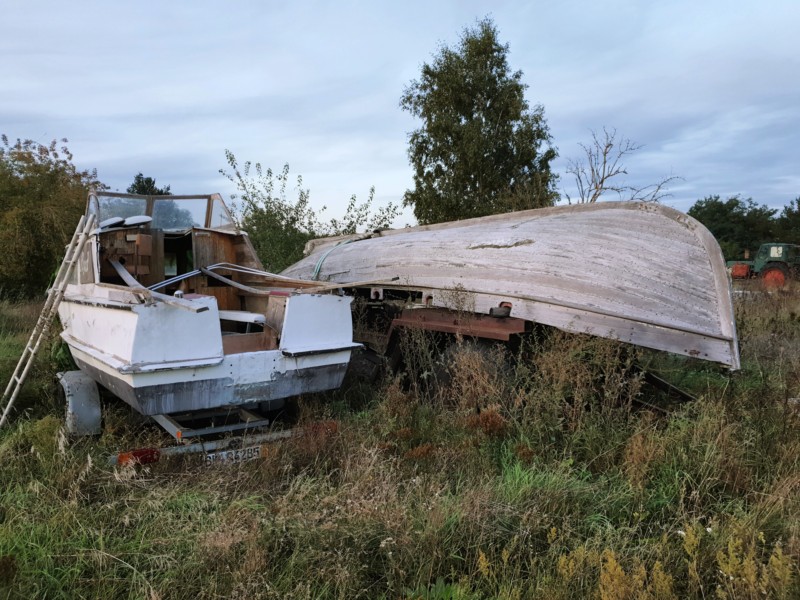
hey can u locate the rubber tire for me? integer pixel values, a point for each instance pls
(774, 277)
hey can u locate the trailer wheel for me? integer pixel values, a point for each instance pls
(83, 403)
(774, 277)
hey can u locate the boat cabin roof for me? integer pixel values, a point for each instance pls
(169, 213)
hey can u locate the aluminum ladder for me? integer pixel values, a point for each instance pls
(54, 296)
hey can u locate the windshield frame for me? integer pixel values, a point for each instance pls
(211, 211)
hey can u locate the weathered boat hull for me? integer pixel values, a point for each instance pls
(640, 273)
(242, 379)
(161, 359)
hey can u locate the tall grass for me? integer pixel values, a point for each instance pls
(529, 477)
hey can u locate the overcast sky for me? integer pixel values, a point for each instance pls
(711, 89)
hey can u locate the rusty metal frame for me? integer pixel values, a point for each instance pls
(458, 323)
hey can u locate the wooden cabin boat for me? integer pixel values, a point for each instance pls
(169, 308)
(642, 273)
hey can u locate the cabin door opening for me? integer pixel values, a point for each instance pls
(178, 254)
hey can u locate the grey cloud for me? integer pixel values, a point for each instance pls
(711, 92)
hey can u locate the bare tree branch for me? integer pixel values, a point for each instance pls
(600, 171)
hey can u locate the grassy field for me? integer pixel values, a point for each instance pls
(561, 486)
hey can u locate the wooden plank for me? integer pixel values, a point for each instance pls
(211, 247)
(156, 259)
(273, 282)
(249, 342)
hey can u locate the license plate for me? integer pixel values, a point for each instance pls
(233, 456)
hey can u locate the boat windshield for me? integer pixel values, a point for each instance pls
(177, 213)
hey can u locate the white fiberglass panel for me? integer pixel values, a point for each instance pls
(167, 334)
(110, 330)
(315, 322)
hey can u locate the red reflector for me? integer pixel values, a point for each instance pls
(142, 456)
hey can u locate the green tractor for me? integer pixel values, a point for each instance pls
(775, 265)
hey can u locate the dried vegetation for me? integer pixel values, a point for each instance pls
(534, 476)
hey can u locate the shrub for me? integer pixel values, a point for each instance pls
(42, 196)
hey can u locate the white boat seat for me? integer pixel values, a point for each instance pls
(242, 316)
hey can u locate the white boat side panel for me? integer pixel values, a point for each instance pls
(112, 362)
(255, 367)
(84, 354)
(166, 334)
(125, 367)
(99, 327)
(111, 321)
(242, 378)
(314, 322)
(244, 369)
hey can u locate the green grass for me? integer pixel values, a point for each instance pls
(559, 488)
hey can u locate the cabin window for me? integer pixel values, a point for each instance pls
(184, 214)
(120, 207)
(184, 233)
(220, 217)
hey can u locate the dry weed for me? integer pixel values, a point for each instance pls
(422, 452)
(476, 374)
(489, 421)
(643, 449)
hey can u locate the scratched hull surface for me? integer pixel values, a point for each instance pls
(641, 273)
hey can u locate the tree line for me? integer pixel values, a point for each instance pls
(480, 149)
(741, 225)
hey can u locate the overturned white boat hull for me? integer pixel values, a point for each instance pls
(639, 273)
